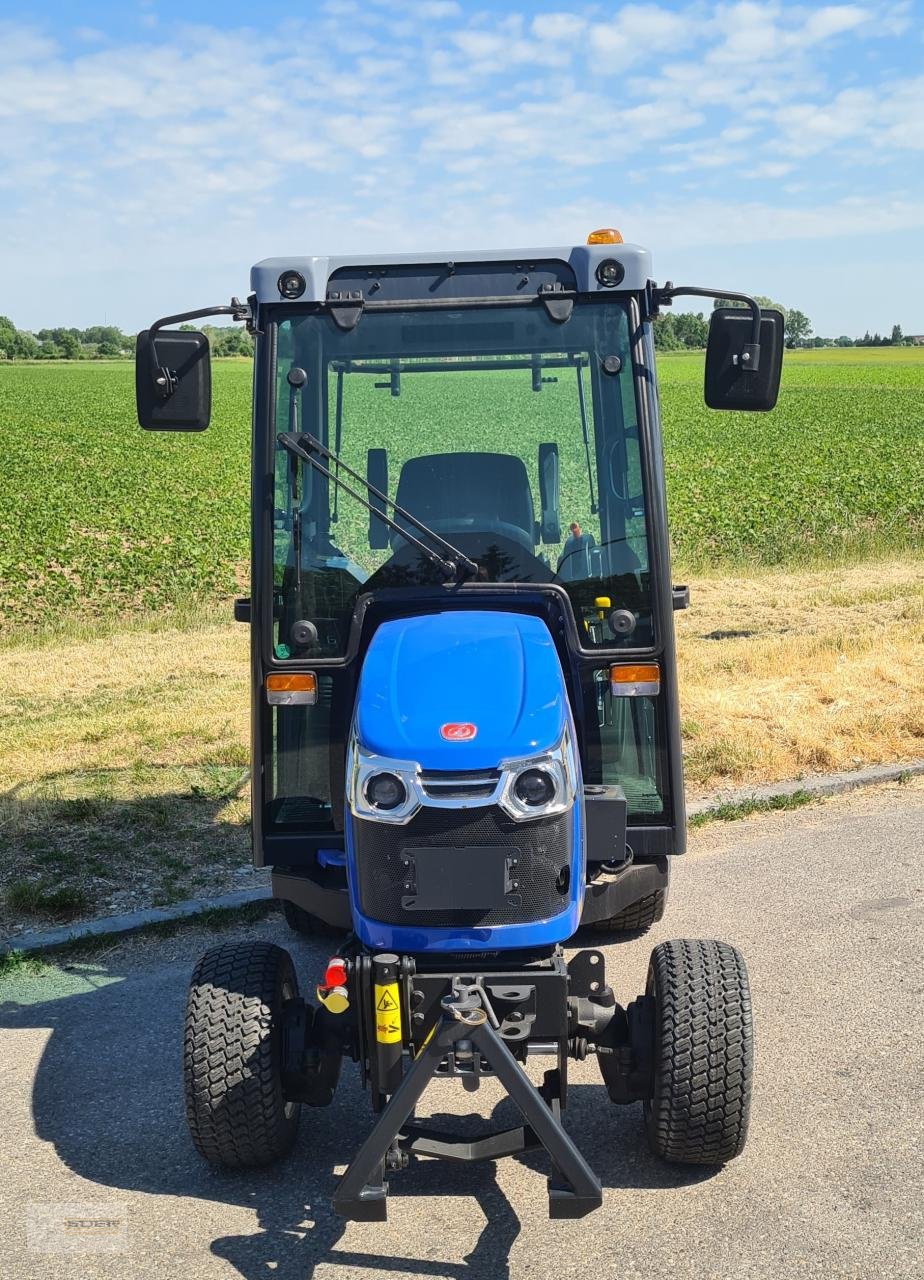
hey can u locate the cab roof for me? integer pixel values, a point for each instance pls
(575, 266)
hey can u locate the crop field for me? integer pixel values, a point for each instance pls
(99, 518)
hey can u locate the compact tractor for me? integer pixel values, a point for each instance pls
(466, 737)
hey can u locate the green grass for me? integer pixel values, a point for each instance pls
(35, 897)
(214, 919)
(154, 833)
(737, 809)
(99, 519)
(21, 963)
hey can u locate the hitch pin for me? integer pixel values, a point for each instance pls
(464, 1002)
(463, 1006)
(492, 1016)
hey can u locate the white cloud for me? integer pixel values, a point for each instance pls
(830, 21)
(895, 19)
(891, 119)
(558, 26)
(22, 45)
(752, 34)
(637, 31)
(435, 10)
(427, 122)
(769, 169)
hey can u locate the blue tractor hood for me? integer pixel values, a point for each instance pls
(498, 672)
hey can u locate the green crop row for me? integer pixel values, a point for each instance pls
(97, 517)
(836, 471)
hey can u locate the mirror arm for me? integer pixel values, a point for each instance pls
(750, 355)
(165, 380)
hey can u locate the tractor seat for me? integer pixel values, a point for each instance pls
(469, 493)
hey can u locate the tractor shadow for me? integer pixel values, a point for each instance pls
(107, 1094)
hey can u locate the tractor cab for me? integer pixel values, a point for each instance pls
(465, 721)
(516, 443)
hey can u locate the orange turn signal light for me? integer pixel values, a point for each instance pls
(635, 680)
(292, 689)
(605, 235)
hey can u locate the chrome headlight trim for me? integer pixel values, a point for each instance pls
(361, 766)
(559, 763)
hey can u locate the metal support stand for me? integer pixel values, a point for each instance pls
(574, 1189)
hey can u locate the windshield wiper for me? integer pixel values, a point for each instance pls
(452, 565)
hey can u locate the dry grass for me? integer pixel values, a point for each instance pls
(174, 696)
(123, 768)
(122, 756)
(784, 674)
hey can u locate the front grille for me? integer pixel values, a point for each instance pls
(544, 854)
(468, 784)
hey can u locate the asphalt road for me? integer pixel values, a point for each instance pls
(826, 905)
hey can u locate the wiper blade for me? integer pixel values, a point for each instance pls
(451, 564)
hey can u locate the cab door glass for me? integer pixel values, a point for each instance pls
(622, 740)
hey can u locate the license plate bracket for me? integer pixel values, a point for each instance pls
(458, 879)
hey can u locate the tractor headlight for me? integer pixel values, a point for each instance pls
(379, 789)
(385, 791)
(534, 787)
(542, 786)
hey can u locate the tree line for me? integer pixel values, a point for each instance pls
(687, 330)
(672, 332)
(102, 342)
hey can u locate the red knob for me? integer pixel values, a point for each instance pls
(335, 975)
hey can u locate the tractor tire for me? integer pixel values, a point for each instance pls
(232, 1055)
(637, 918)
(703, 1052)
(306, 925)
(301, 921)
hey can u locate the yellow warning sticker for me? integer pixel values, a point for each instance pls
(388, 1010)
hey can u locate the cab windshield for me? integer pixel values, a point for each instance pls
(512, 436)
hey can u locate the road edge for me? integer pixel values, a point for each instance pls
(134, 921)
(825, 784)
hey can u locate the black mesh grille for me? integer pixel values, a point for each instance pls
(544, 846)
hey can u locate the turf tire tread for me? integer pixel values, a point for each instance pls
(235, 1107)
(704, 1052)
(637, 917)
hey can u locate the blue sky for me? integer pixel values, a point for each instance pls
(147, 160)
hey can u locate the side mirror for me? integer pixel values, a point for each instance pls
(377, 475)
(549, 483)
(173, 381)
(729, 382)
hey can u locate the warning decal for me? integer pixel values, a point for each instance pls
(388, 1013)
